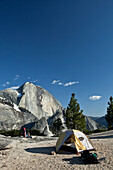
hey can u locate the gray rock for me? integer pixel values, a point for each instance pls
(9, 96)
(40, 124)
(47, 132)
(4, 143)
(38, 101)
(11, 119)
(58, 117)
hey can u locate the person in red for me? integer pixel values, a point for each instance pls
(24, 132)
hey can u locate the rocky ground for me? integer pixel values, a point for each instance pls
(35, 154)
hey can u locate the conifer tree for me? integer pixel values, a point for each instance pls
(74, 117)
(109, 115)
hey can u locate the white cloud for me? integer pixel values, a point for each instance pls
(71, 83)
(5, 84)
(16, 77)
(55, 81)
(95, 97)
(60, 84)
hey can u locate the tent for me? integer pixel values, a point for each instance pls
(74, 139)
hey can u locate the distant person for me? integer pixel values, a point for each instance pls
(25, 134)
(28, 135)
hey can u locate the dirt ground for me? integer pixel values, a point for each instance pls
(25, 154)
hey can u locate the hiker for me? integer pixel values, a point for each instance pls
(24, 132)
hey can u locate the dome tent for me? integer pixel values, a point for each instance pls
(74, 139)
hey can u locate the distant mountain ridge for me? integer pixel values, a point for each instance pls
(93, 125)
(100, 120)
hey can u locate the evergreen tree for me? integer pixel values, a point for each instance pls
(57, 126)
(109, 115)
(74, 117)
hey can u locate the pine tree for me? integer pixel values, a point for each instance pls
(109, 115)
(74, 117)
(57, 126)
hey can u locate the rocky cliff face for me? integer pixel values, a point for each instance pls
(12, 119)
(26, 105)
(34, 99)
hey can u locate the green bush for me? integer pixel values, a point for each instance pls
(88, 132)
(11, 133)
(14, 133)
(34, 132)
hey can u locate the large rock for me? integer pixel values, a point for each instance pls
(28, 106)
(4, 142)
(38, 101)
(55, 121)
(40, 124)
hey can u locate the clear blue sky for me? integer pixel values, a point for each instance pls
(65, 46)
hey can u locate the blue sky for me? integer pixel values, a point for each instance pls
(65, 46)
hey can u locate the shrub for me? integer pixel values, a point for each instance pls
(11, 133)
(88, 132)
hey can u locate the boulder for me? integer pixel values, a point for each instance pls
(57, 123)
(4, 142)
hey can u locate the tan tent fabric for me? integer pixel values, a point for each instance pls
(76, 138)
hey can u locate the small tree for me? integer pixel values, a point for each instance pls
(57, 126)
(109, 115)
(74, 117)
